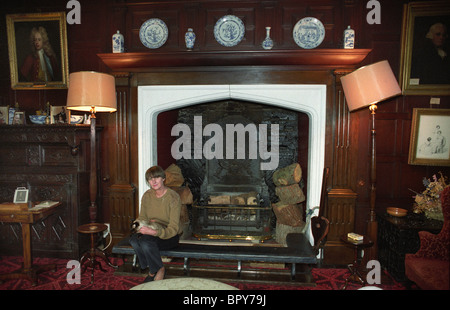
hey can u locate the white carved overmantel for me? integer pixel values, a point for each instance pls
(309, 99)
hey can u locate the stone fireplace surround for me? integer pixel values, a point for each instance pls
(309, 99)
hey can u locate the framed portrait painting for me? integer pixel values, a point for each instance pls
(430, 137)
(38, 50)
(425, 49)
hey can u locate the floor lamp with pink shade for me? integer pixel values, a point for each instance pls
(92, 92)
(365, 87)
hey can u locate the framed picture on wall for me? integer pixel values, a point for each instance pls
(37, 46)
(430, 137)
(425, 49)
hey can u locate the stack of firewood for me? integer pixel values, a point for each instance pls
(175, 180)
(288, 210)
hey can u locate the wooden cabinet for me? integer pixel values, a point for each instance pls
(52, 161)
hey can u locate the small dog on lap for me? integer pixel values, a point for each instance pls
(138, 224)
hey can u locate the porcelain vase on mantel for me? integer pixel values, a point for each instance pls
(189, 38)
(267, 44)
(118, 43)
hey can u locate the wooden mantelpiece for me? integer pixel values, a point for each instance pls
(324, 58)
(318, 66)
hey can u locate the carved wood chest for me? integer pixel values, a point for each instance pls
(52, 161)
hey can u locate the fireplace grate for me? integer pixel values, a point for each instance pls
(232, 222)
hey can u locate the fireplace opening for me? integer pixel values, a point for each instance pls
(245, 104)
(232, 192)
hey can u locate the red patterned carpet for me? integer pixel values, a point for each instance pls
(325, 278)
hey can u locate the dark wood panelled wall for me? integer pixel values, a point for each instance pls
(347, 142)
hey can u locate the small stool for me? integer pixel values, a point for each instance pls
(90, 255)
(357, 247)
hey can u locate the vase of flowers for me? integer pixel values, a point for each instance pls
(429, 201)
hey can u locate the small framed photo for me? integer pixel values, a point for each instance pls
(4, 115)
(21, 195)
(19, 118)
(59, 115)
(430, 137)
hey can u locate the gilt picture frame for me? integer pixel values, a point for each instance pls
(425, 55)
(37, 46)
(430, 137)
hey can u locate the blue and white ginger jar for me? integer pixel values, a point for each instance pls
(118, 44)
(189, 38)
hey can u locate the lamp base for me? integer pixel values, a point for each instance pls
(372, 231)
(93, 213)
(93, 174)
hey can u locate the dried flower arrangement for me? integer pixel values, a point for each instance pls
(429, 201)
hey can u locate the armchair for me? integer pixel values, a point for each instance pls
(429, 266)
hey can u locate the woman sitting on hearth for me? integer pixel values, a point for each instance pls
(161, 205)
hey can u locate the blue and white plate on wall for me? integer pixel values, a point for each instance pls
(153, 33)
(308, 32)
(229, 30)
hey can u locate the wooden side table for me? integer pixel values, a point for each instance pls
(88, 258)
(20, 213)
(358, 246)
